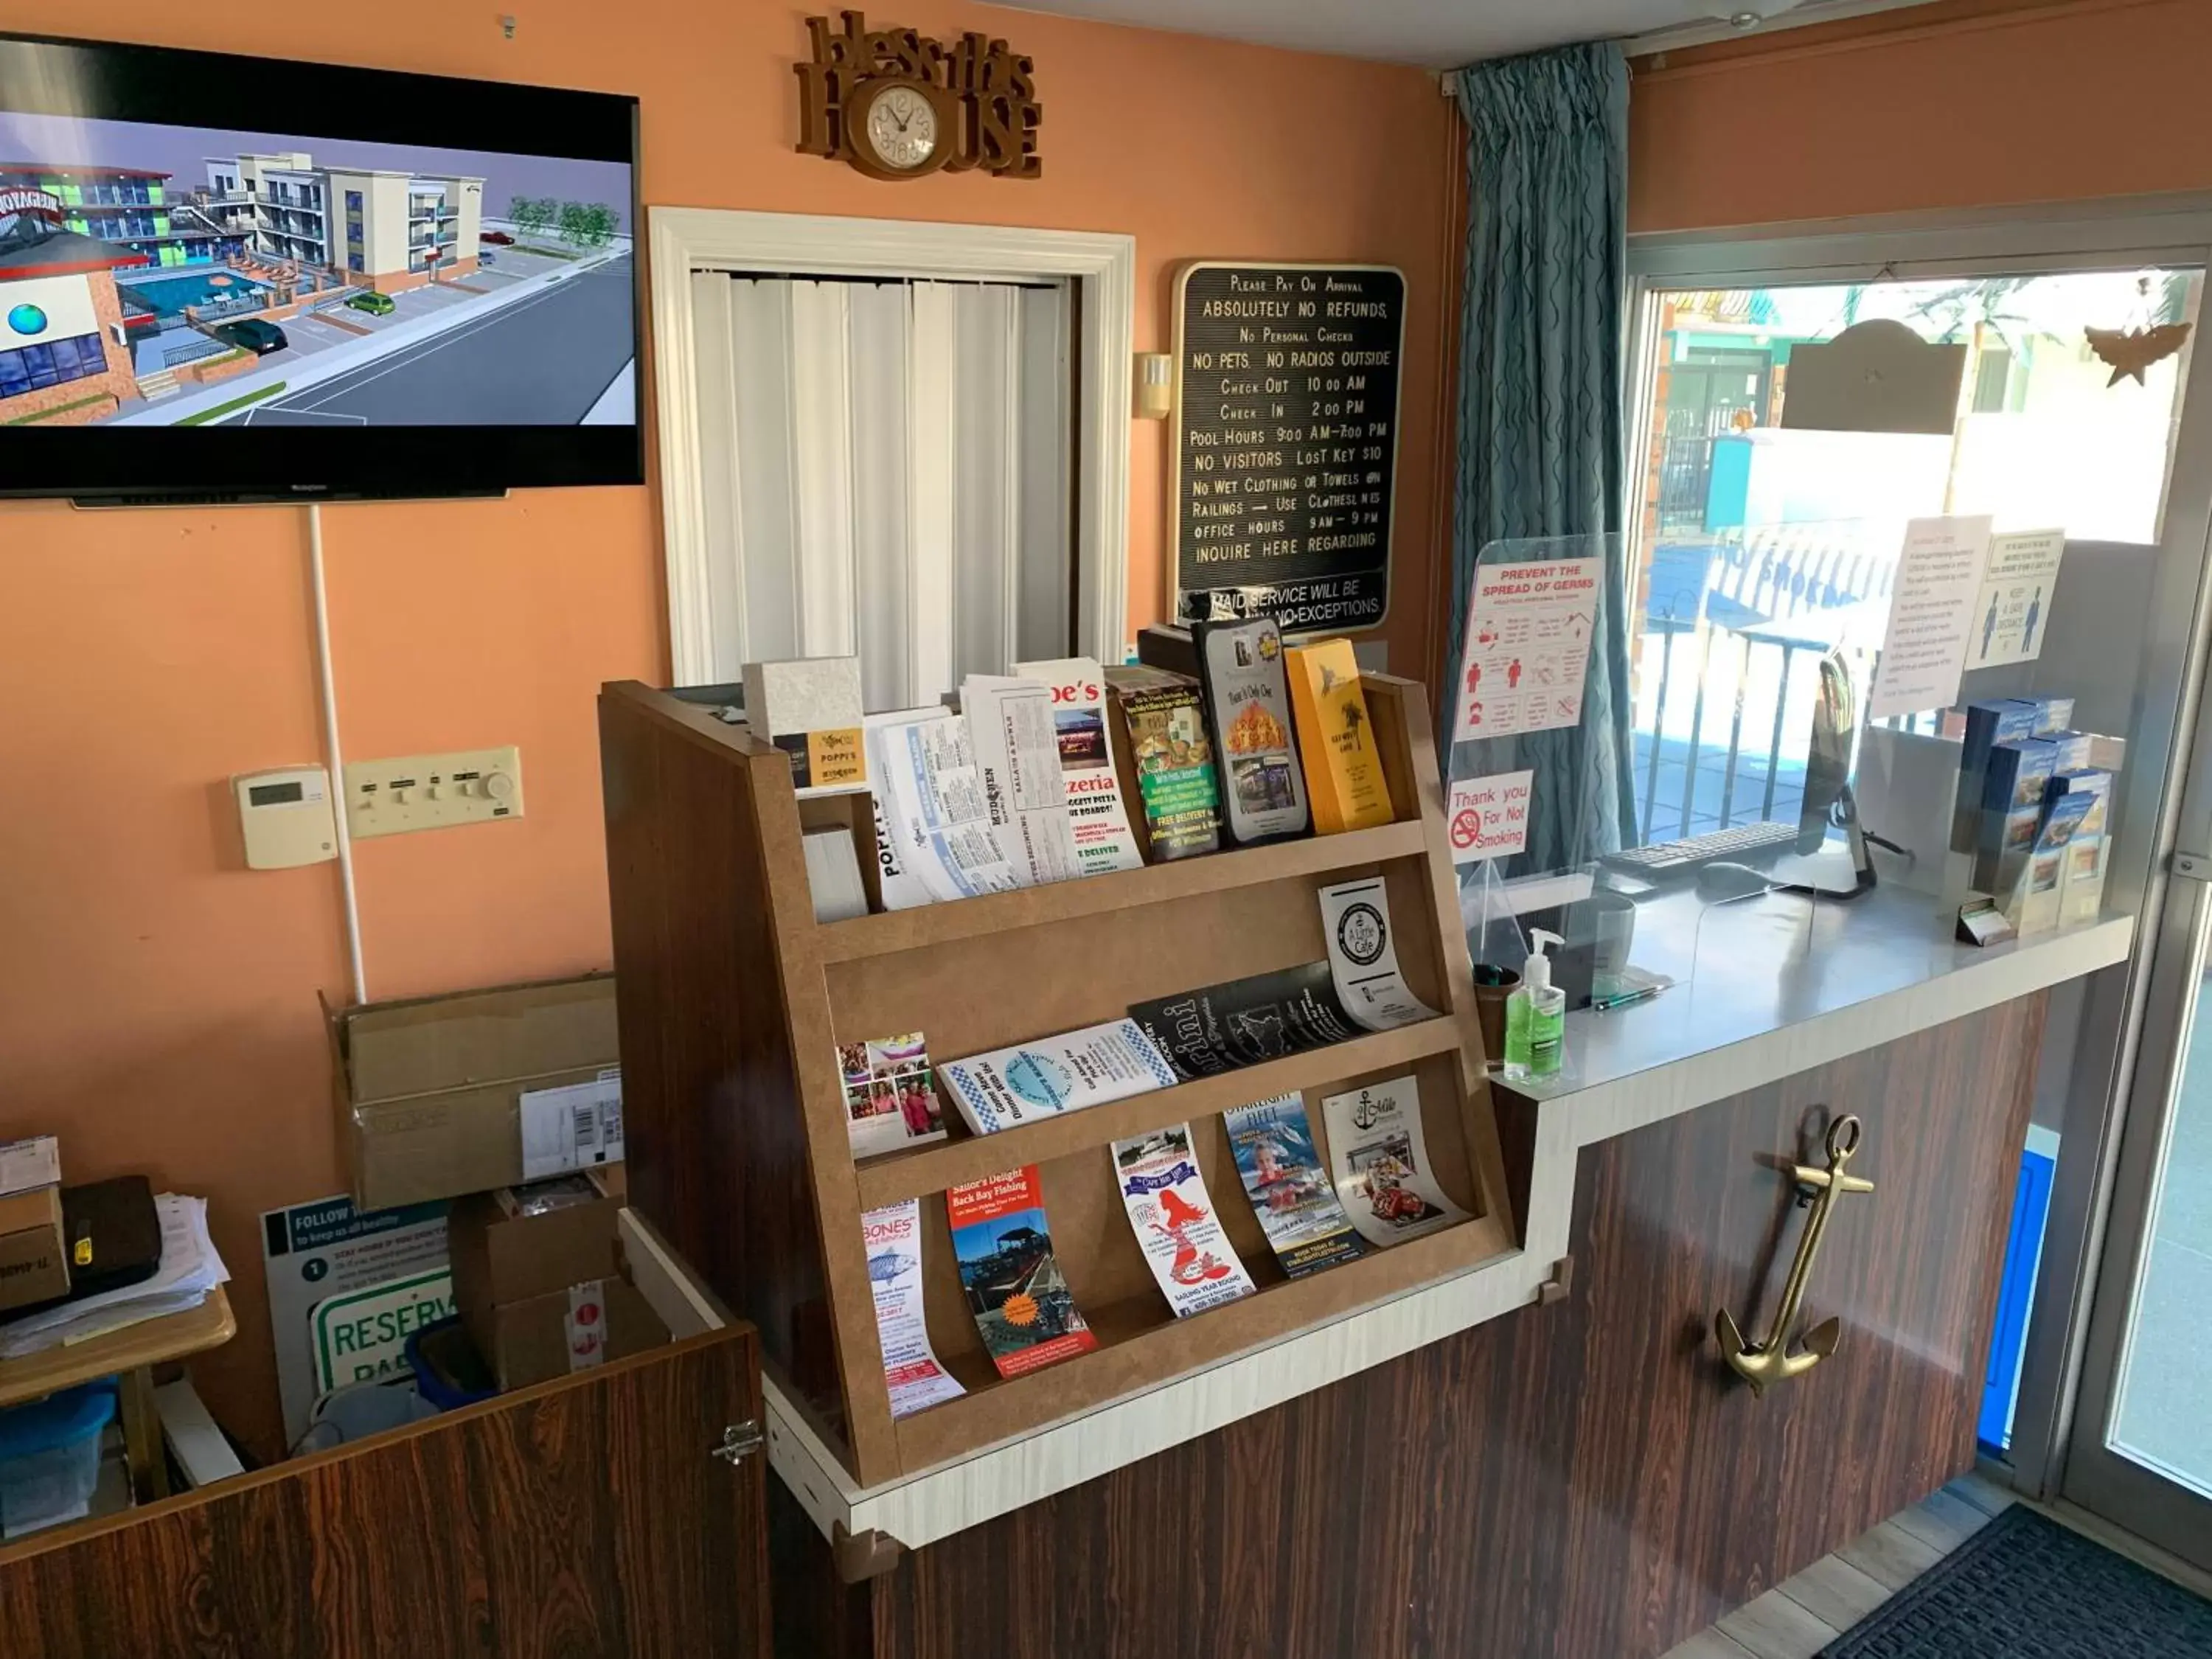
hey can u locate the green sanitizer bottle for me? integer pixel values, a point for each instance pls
(1536, 1015)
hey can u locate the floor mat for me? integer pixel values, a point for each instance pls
(2026, 1587)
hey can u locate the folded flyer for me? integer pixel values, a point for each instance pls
(1174, 1220)
(1290, 1193)
(1010, 722)
(930, 792)
(892, 1238)
(1245, 1021)
(1363, 960)
(1381, 1163)
(890, 1100)
(1022, 1304)
(1096, 814)
(1032, 1081)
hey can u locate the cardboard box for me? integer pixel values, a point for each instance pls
(537, 1277)
(430, 1090)
(33, 1258)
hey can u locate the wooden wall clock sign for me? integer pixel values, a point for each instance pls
(896, 106)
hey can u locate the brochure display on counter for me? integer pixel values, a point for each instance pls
(1133, 1173)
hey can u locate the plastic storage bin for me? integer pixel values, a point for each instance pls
(50, 1457)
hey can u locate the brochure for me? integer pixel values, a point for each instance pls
(931, 794)
(1173, 1217)
(892, 1238)
(1336, 739)
(891, 1101)
(1025, 791)
(1021, 1302)
(1098, 815)
(1290, 1193)
(1164, 758)
(1381, 1163)
(1248, 704)
(1245, 1021)
(1362, 961)
(1035, 1080)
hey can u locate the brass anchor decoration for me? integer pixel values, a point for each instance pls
(1766, 1363)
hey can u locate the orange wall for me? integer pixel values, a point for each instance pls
(157, 1001)
(1967, 103)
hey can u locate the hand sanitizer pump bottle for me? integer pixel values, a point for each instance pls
(1536, 1015)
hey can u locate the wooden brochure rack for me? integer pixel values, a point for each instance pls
(732, 999)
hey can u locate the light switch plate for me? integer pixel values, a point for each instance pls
(432, 791)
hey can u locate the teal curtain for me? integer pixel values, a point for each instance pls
(1540, 424)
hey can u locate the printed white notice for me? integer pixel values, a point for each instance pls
(898, 874)
(936, 805)
(1381, 1163)
(1488, 817)
(892, 1238)
(2013, 611)
(1528, 647)
(1096, 812)
(1363, 959)
(1931, 607)
(1172, 1215)
(1017, 754)
(571, 1126)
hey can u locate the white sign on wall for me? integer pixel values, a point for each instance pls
(42, 308)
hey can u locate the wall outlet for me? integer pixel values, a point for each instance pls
(432, 791)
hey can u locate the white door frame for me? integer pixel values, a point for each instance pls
(685, 239)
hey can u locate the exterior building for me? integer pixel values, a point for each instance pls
(62, 355)
(378, 227)
(128, 207)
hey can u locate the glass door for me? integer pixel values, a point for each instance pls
(2141, 1451)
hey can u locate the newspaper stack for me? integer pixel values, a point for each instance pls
(190, 1270)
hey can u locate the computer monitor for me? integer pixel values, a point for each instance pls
(1814, 866)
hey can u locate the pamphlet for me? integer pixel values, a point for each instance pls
(1381, 1163)
(1262, 1017)
(1344, 769)
(1247, 703)
(898, 871)
(1098, 815)
(1290, 1193)
(1363, 960)
(1022, 1304)
(1010, 721)
(1032, 1081)
(892, 1238)
(939, 815)
(1160, 743)
(1173, 1217)
(890, 1099)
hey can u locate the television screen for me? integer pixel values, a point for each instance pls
(227, 278)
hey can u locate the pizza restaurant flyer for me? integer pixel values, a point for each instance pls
(1381, 1163)
(1022, 1307)
(1173, 1217)
(1096, 812)
(891, 1238)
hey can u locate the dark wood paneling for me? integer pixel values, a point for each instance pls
(716, 1157)
(1581, 1481)
(582, 1518)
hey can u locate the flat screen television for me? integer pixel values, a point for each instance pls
(226, 278)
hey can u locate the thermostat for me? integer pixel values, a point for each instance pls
(285, 816)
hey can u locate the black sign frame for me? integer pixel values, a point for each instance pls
(1286, 421)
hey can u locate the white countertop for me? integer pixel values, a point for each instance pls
(1767, 988)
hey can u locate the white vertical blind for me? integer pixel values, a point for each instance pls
(886, 473)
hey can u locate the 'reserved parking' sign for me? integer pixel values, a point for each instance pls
(361, 1335)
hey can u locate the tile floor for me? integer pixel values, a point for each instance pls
(1800, 1616)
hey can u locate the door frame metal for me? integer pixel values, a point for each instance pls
(2118, 234)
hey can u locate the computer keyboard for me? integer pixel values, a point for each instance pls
(1672, 858)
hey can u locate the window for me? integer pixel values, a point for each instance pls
(50, 363)
(355, 262)
(353, 203)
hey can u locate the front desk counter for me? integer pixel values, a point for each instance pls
(1543, 1457)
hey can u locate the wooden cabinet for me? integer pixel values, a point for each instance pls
(1581, 1480)
(585, 1517)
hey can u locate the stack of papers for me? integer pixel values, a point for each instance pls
(190, 1269)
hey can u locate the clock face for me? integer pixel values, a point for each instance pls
(902, 128)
